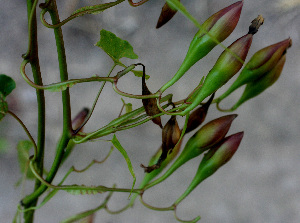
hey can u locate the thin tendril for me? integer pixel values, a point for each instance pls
(26, 130)
(137, 3)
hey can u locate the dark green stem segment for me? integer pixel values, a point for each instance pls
(35, 66)
(67, 128)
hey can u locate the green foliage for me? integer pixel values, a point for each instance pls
(7, 84)
(3, 106)
(95, 9)
(118, 145)
(23, 149)
(115, 47)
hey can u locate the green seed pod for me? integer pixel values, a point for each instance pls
(258, 86)
(210, 134)
(213, 160)
(166, 15)
(220, 26)
(259, 65)
(225, 68)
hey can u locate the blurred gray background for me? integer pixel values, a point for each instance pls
(260, 184)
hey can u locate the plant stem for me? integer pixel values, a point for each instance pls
(67, 127)
(35, 66)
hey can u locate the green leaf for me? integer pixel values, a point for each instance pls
(118, 145)
(128, 106)
(95, 9)
(23, 148)
(139, 73)
(7, 84)
(3, 106)
(115, 47)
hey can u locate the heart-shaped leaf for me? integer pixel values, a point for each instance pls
(7, 84)
(115, 47)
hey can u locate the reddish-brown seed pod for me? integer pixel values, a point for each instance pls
(80, 118)
(198, 116)
(150, 104)
(170, 137)
(166, 15)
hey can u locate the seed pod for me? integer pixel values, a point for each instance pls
(258, 86)
(224, 69)
(170, 137)
(154, 159)
(220, 26)
(150, 104)
(213, 160)
(209, 135)
(166, 15)
(198, 116)
(259, 65)
(80, 118)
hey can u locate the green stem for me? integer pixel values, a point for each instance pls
(32, 54)
(67, 127)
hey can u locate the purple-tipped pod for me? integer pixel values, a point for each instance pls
(256, 87)
(150, 104)
(220, 26)
(166, 15)
(206, 137)
(213, 160)
(259, 65)
(198, 116)
(227, 65)
(170, 137)
(80, 118)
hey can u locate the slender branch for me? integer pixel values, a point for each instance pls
(33, 57)
(94, 104)
(26, 130)
(89, 10)
(137, 3)
(64, 84)
(99, 189)
(67, 125)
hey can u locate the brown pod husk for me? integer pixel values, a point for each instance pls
(170, 137)
(198, 116)
(166, 15)
(150, 103)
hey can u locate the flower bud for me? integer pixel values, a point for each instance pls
(198, 116)
(150, 104)
(166, 15)
(220, 26)
(227, 65)
(213, 160)
(256, 87)
(170, 137)
(210, 134)
(259, 65)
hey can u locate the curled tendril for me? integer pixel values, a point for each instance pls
(135, 4)
(86, 10)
